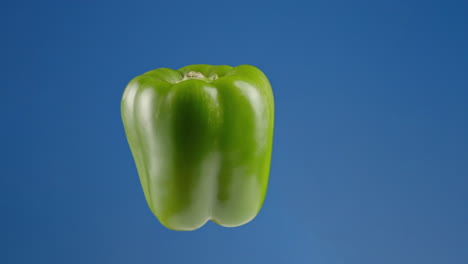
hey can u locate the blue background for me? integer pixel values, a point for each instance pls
(370, 161)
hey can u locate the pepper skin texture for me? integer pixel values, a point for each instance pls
(201, 138)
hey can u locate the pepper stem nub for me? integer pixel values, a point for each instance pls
(194, 75)
(198, 76)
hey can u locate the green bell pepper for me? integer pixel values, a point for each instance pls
(201, 138)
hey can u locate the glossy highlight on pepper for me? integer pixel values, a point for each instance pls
(201, 138)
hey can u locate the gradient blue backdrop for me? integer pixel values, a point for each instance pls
(370, 161)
